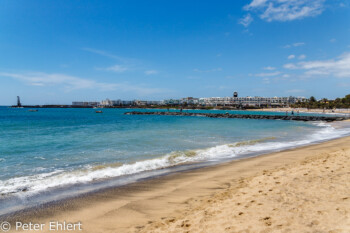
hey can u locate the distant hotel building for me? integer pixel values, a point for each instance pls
(111, 103)
(115, 103)
(251, 101)
(234, 101)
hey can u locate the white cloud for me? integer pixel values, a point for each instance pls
(292, 56)
(117, 68)
(246, 20)
(290, 66)
(268, 74)
(43, 79)
(150, 72)
(302, 57)
(269, 68)
(285, 10)
(124, 60)
(333, 40)
(104, 53)
(339, 67)
(255, 3)
(297, 44)
(70, 83)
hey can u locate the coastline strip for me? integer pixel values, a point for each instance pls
(245, 116)
(162, 204)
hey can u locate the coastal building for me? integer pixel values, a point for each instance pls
(249, 101)
(128, 102)
(234, 101)
(190, 101)
(147, 102)
(115, 103)
(140, 102)
(172, 102)
(154, 102)
(106, 102)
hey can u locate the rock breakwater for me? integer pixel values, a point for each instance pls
(245, 116)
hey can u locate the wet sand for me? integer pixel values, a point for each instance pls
(301, 190)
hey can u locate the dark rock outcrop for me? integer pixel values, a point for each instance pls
(244, 116)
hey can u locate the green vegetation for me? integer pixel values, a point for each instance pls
(324, 103)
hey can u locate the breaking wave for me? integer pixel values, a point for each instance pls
(38, 183)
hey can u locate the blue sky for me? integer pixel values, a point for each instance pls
(55, 52)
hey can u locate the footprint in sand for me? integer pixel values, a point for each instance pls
(267, 221)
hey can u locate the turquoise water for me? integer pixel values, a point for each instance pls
(51, 148)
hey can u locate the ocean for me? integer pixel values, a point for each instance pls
(57, 153)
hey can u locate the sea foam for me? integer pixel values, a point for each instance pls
(29, 185)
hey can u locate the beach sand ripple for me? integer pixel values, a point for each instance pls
(300, 190)
(309, 196)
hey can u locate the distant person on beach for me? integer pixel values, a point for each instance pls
(292, 113)
(286, 113)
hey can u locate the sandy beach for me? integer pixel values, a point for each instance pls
(301, 190)
(175, 116)
(329, 111)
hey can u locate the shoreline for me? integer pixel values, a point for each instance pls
(74, 191)
(244, 116)
(132, 207)
(220, 108)
(304, 110)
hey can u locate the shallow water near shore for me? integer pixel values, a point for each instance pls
(62, 152)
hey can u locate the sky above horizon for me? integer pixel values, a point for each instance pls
(56, 52)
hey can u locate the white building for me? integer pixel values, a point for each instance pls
(234, 101)
(113, 103)
(172, 102)
(189, 101)
(249, 101)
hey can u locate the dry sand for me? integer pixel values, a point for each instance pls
(310, 196)
(300, 190)
(303, 110)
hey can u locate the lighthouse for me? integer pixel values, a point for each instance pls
(19, 102)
